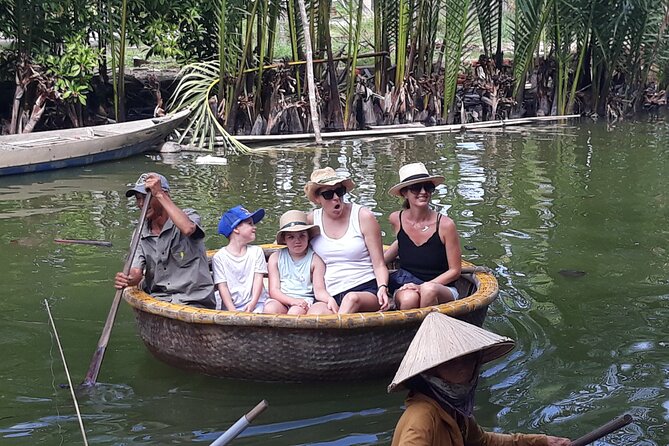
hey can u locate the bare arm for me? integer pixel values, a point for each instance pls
(226, 298)
(390, 254)
(371, 232)
(255, 292)
(132, 279)
(318, 281)
(178, 217)
(449, 236)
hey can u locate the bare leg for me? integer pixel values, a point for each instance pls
(434, 294)
(273, 306)
(359, 301)
(296, 309)
(407, 299)
(319, 308)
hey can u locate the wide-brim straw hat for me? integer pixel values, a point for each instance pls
(414, 173)
(441, 338)
(325, 177)
(295, 221)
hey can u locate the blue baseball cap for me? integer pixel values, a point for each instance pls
(235, 216)
(141, 188)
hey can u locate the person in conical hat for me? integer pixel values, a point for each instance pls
(427, 243)
(350, 244)
(296, 274)
(440, 370)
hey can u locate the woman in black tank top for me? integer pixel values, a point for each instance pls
(427, 243)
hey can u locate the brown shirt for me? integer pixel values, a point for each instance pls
(425, 423)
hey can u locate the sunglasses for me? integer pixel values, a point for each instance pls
(427, 187)
(329, 194)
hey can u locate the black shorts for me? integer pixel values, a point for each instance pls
(369, 287)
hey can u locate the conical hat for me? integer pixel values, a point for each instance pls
(441, 338)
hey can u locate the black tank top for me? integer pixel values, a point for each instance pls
(426, 261)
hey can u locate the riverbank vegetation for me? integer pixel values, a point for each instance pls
(383, 62)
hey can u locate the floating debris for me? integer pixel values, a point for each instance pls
(208, 159)
(83, 242)
(572, 273)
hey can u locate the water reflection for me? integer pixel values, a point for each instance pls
(528, 203)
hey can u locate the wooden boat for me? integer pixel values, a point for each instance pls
(269, 347)
(56, 149)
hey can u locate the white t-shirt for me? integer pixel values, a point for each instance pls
(238, 274)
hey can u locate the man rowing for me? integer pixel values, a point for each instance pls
(171, 260)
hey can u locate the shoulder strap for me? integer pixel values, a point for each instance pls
(438, 221)
(401, 228)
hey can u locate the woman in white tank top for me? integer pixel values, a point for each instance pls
(356, 276)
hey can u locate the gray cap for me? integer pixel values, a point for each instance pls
(139, 186)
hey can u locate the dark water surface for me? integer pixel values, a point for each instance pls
(572, 218)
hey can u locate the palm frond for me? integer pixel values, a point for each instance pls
(460, 26)
(527, 26)
(196, 92)
(488, 13)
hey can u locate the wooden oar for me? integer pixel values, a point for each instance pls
(99, 354)
(603, 431)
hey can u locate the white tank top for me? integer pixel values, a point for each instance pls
(296, 276)
(347, 260)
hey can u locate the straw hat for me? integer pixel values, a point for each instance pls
(414, 173)
(325, 177)
(441, 338)
(294, 221)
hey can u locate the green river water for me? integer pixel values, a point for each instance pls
(572, 219)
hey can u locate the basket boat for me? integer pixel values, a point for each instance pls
(289, 348)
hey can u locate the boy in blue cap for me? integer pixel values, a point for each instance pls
(171, 260)
(239, 267)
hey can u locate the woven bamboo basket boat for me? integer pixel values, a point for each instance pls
(288, 348)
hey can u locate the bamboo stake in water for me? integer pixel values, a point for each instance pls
(67, 373)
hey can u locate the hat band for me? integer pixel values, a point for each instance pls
(328, 179)
(293, 223)
(415, 177)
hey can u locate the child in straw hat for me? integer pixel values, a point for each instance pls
(239, 267)
(441, 370)
(296, 273)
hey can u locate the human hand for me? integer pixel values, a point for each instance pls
(409, 287)
(152, 183)
(249, 307)
(333, 305)
(121, 281)
(558, 441)
(382, 295)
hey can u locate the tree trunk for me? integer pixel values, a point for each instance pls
(36, 115)
(315, 121)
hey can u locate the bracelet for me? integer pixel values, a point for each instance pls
(384, 285)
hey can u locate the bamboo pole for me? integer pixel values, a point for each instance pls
(98, 356)
(315, 121)
(316, 61)
(67, 373)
